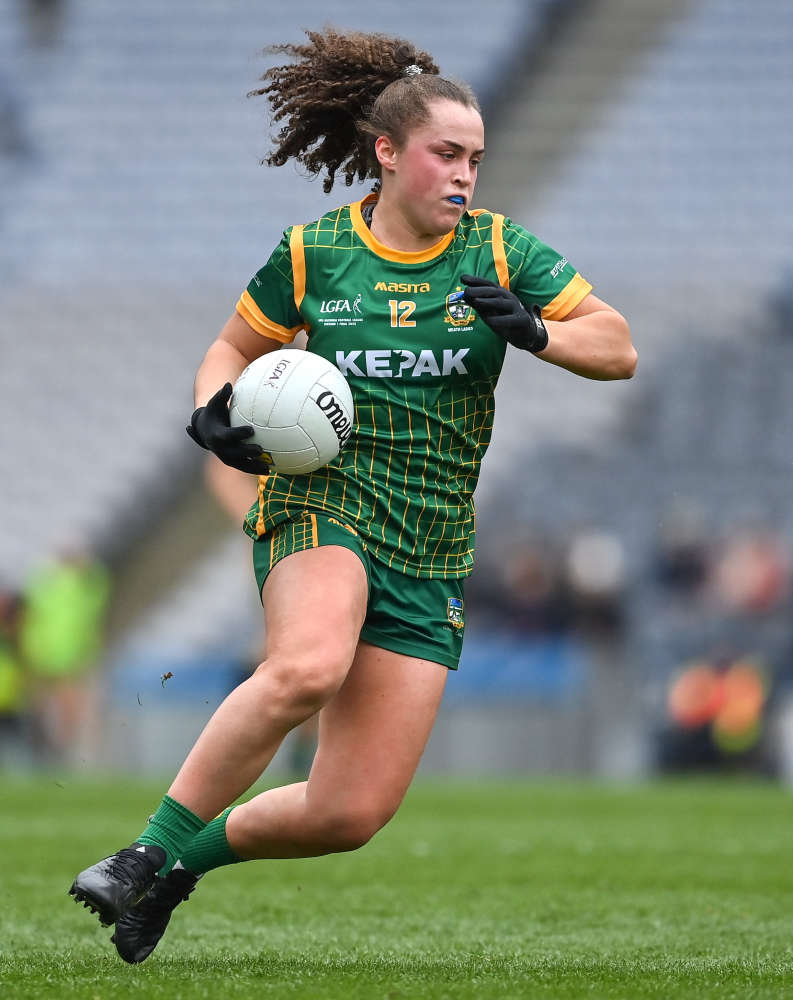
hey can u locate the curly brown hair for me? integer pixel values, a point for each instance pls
(345, 89)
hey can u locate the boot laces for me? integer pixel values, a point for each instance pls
(130, 865)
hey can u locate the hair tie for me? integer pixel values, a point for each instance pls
(412, 70)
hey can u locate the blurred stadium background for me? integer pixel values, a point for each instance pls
(630, 612)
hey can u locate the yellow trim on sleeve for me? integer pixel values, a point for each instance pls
(255, 318)
(298, 264)
(400, 256)
(576, 289)
(314, 532)
(499, 254)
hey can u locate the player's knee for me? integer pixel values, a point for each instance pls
(303, 683)
(353, 827)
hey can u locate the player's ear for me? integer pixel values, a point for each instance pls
(386, 152)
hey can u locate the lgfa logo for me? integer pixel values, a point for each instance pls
(342, 306)
(341, 312)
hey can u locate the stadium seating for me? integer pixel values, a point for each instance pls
(669, 202)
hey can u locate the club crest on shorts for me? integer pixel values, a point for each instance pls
(458, 312)
(454, 612)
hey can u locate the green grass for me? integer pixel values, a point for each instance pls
(551, 889)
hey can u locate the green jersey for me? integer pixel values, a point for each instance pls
(422, 368)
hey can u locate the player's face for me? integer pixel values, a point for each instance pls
(434, 172)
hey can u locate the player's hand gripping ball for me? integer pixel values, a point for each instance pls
(210, 428)
(298, 407)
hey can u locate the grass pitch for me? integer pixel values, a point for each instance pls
(552, 889)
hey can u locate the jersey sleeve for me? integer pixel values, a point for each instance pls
(268, 303)
(536, 273)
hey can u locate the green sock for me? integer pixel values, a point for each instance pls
(172, 828)
(209, 849)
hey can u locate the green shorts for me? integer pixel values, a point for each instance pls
(416, 616)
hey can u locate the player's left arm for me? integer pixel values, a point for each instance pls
(541, 304)
(592, 340)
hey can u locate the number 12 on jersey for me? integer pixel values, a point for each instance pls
(401, 312)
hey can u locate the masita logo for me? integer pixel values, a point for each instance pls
(402, 363)
(402, 286)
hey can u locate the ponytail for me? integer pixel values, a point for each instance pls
(344, 90)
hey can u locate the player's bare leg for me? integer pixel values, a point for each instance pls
(315, 605)
(371, 738)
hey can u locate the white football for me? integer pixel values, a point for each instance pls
(300, 407)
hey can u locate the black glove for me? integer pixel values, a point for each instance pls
(210, 428)
(505, 314)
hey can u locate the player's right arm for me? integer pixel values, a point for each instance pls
(267, 317)
(236, 346)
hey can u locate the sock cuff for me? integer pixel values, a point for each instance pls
(184, 812)
(172, 827)
(210, 848)
(216, 836)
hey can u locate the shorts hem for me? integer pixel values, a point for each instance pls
(345, 540)
(408, 648)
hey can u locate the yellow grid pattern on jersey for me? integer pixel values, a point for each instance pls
(407, 476)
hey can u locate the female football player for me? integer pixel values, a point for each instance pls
(414, 296)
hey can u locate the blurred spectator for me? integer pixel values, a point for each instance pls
(595, 569)
(530, 590)
(752, 573)
(683, 555)
(62, 636)
(541, 588)
(13, 689)
(717, 716)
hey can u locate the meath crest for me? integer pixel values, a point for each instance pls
(454, 612)
(458, 312)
